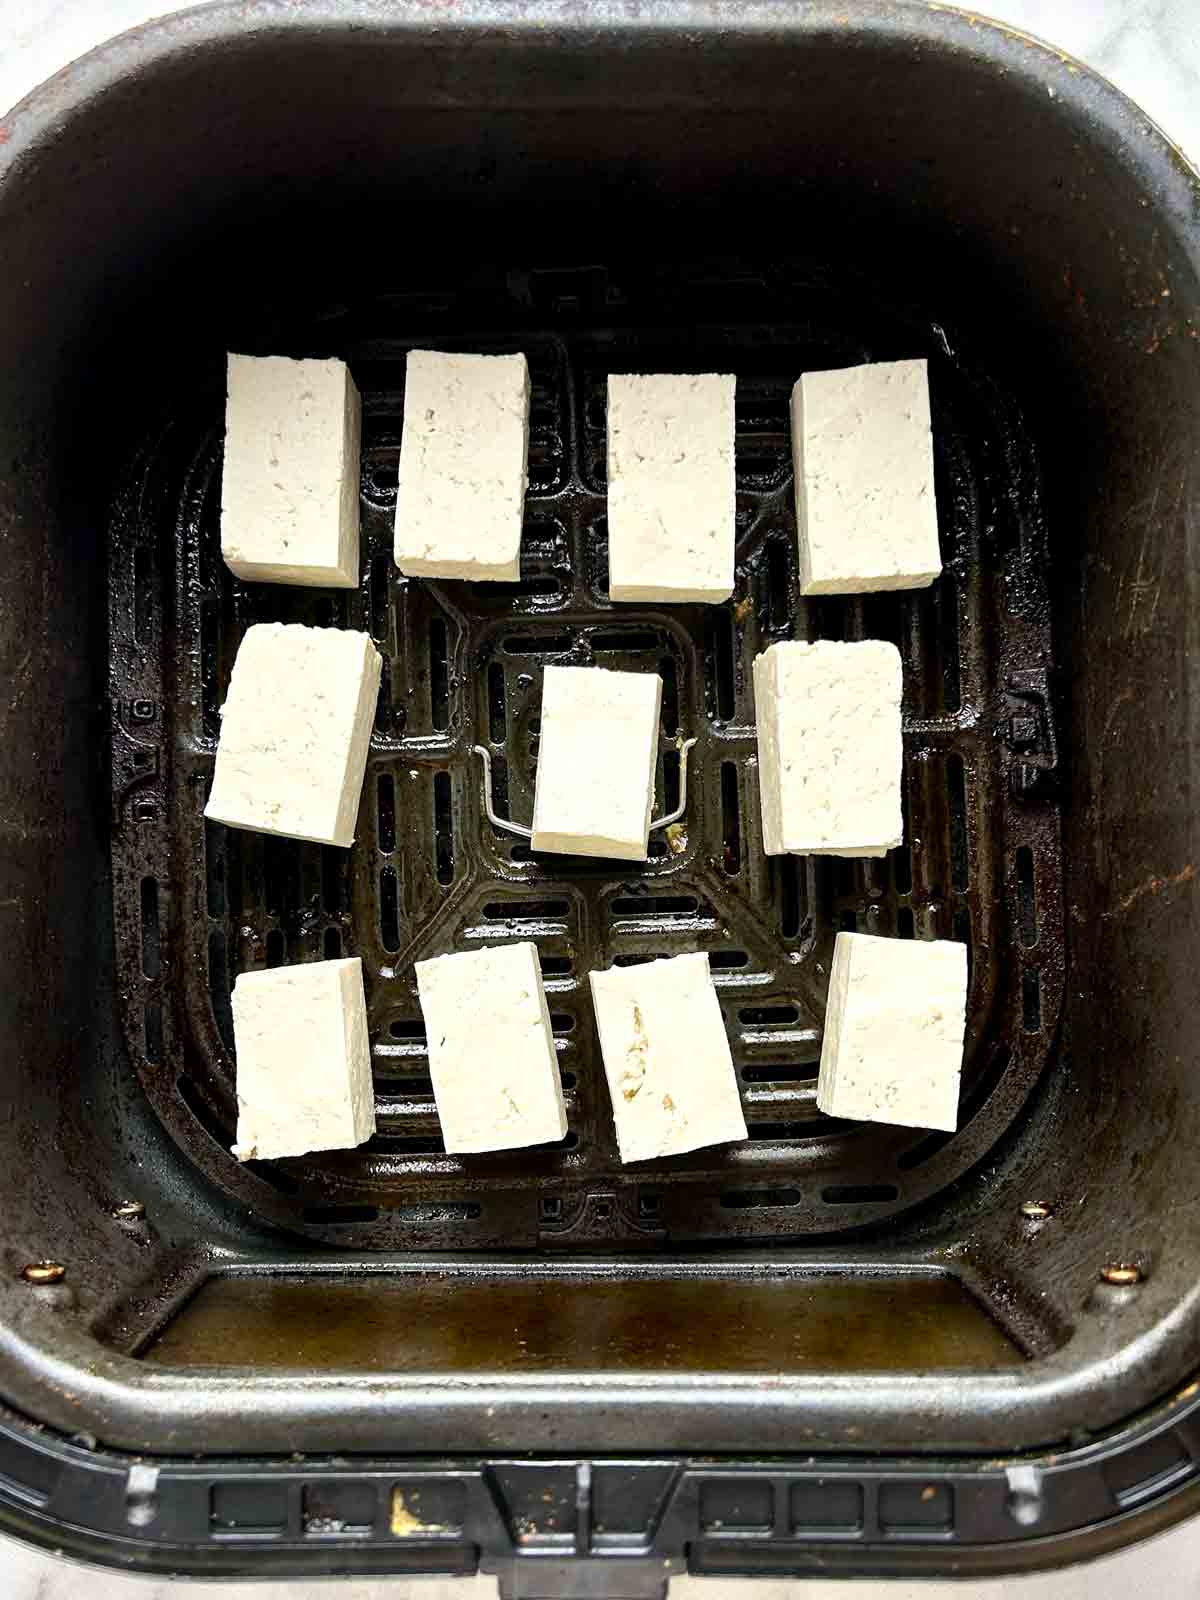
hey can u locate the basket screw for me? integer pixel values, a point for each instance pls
(44, 1272)
(130, 1211)
(1122, 1274)
(1035, 1210)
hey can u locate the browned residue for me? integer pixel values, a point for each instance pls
(1154, 885)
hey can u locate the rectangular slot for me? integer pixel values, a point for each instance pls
(901, 857)
(408, 1028)
(956, 787)
(389, 909)
(719, 659)
(670, 785)
(333, 879)
(418, 1086)
(218, 986)
(731, 825)
(338, 1508)
(1027, 917)
(781, 1072)
(276, 948)
(825, 1505)
(905, 926)
(768, 1016)
(778, 609)
(204, 1114)
(555, 966)
(256, 1507)
(526, 910)
(754, 1321)
(281, 877)
(381, 578)
(659, 905)
(783, 1132)
(331, 944)
(537, 644)
(385, 812)
(945, 610)
(737, 1505)
(915, 1507)
(210, 690)
(443, 828)
(561, 1022)
(497, 704)
(439, 676)
(627, 641)
(383, 705)
(725, 960)
(670, 695)
(151, 935)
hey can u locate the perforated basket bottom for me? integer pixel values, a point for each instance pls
(196, 903)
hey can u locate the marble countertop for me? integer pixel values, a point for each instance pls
(1151, 50)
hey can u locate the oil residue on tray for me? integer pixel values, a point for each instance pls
(454, 1322)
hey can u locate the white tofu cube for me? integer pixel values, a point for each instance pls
(830, 748)
(289, 489)
(862, 446)
(671, 493)
(295, 729)
(491, 1051)
(894, 1031)
(303, 1060)
(666, 1058)
(595, 776)
(464, 459)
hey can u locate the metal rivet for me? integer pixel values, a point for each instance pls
(129, 1211)
(44, 1272)
(1122, 1274)
(1035, 1210)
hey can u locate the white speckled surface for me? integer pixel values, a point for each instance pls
(1150, 49)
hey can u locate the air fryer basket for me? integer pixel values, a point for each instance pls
(893, 1348)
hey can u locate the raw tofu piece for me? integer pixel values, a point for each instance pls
(666, 1058)
(595, 776)
(303, 1060)
(894, 1031)
(289, 490)
(829, 747)
(862, 447)
(294, 732)
(671, 497)
(464, 460)
(491, 1051)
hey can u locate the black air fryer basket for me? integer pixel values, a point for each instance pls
(836, 1346)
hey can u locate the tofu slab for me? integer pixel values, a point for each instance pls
(894, 1031)
(491, 1052)
(830, 749)
(866, 516)
(671, 490)
(463, 466)
(595, 778)
(303, 1060)
(289, 487)
(666, 1058)
(295, 729)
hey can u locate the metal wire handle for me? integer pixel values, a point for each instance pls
(507, 826)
